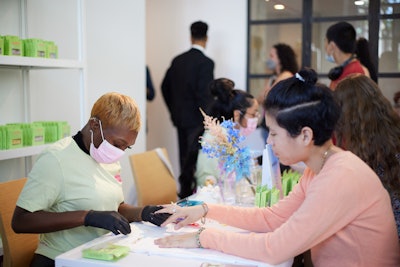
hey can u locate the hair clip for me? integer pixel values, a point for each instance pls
(298, 76)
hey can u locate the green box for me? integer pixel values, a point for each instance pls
(63, 129)
(1, 45)
(19, 126)
(38, 134)
(35, 48)
(52, 49)
(33, 134)
(50, 132)
(14, 137)
(2, 142)
(55, 130)
(13, 46)
(3, 139)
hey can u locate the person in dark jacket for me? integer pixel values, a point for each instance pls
(185, 88)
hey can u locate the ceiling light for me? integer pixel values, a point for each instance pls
(279, 7)
(359, 2)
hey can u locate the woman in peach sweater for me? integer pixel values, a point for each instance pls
(339, 209)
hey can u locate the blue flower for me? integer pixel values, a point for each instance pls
(226, 145)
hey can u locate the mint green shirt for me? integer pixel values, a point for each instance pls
(206, 166)
(64, 178)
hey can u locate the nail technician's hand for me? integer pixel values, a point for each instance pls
(149, 215)
(109, 220)
(177, 241)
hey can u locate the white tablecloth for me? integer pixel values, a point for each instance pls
(143, 251)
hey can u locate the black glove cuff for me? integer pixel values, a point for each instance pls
(87, 218)
(155, 218)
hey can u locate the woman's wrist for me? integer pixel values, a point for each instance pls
(197, 236)
(205, 212)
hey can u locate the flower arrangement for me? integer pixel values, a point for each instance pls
(226, 146)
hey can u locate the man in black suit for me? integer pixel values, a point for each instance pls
(185, 88)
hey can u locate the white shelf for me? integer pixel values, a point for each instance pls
(21, 83)
(43, 63)
(21, 152)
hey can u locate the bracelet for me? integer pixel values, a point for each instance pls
(198, 237)
(205, 208)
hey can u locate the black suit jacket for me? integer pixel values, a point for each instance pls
(185, 88)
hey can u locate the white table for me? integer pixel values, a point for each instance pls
(143, 252)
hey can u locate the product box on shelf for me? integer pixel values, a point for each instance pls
(55, 130)
(13, 46)
(63, 129)
(36, 134)
(52, 49)
(2, 137)
(16, 135)
(35, 48)
(12, 137)
(1, 45)
(50, 131)
(32, 134)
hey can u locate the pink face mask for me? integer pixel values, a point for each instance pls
(251, 126)
(106, 152)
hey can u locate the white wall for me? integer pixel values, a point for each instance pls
(167, 35)
(116, 62)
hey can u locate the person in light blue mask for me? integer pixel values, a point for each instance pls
(282, 62)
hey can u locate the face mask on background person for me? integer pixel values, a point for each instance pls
(270, 64)
(106, 152)
(330, 58)
(251, 126)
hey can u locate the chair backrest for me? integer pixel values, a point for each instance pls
(154, 181)
(18, 249)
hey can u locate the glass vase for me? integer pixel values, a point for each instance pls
(245, 192)
(228, 188)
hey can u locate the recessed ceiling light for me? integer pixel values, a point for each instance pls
(279, 7)
(359, 2)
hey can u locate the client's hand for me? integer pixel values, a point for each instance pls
(182, 216)
(109, 220)
(149, 215)
(178, 241)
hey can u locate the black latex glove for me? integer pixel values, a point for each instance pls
(109, 220)
(148, 215)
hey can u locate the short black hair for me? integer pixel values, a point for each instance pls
(198, 30)
(300, 101)
(344, 36)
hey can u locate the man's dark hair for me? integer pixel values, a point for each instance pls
(344, 36)
(198, 30)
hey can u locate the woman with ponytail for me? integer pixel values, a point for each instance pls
(230, 104)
